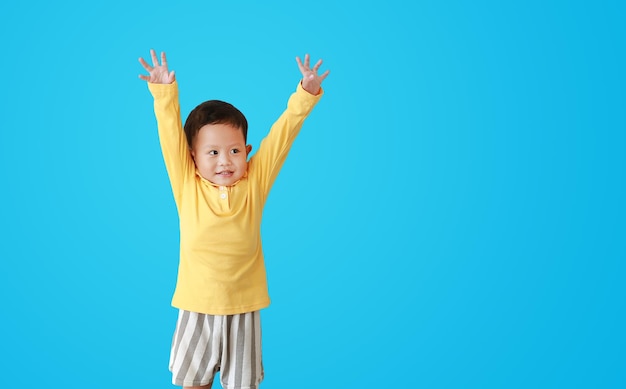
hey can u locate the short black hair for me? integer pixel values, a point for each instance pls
(214, 112)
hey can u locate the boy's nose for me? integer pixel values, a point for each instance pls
(223, 160)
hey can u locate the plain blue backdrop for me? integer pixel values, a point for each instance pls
(451, 216)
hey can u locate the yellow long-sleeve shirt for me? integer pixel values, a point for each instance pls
(221, 269)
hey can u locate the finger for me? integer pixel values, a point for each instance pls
(145, 78)
(300, 66)
(323, 76)
(145, 64)
(317, 66)
(306, 61)
(163, 59)
(155, 61)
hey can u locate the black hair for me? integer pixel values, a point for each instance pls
(214, 112)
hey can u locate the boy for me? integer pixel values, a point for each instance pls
(219, 196)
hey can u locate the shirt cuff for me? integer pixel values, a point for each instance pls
(302, 91)
(163, 90)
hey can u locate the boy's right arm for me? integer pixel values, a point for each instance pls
(164, 89)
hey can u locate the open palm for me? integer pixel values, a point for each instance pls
(311, 81)
(157, 74)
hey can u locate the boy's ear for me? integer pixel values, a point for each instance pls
(248, 149)
(193, 153)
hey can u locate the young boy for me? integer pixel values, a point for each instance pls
(220, 196)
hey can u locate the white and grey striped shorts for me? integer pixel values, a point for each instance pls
(205, 344)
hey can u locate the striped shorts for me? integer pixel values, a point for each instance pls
(205, 344)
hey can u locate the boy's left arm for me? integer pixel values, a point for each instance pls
(272, 153)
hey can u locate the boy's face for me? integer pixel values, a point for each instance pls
(220, 153)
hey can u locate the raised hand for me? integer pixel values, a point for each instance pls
(311, 82)
(158, 74)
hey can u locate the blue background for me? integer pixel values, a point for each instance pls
(452, 215)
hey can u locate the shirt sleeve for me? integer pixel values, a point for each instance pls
(174, 147)
(272, 153)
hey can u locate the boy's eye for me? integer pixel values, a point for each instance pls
(213, 152)
(234, 151)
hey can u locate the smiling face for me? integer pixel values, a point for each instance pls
(220, 153)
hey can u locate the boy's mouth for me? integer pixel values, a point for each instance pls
(225, 173)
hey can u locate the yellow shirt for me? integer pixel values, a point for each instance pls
(221, 269)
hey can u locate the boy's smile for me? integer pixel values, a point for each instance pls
(220, 153)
